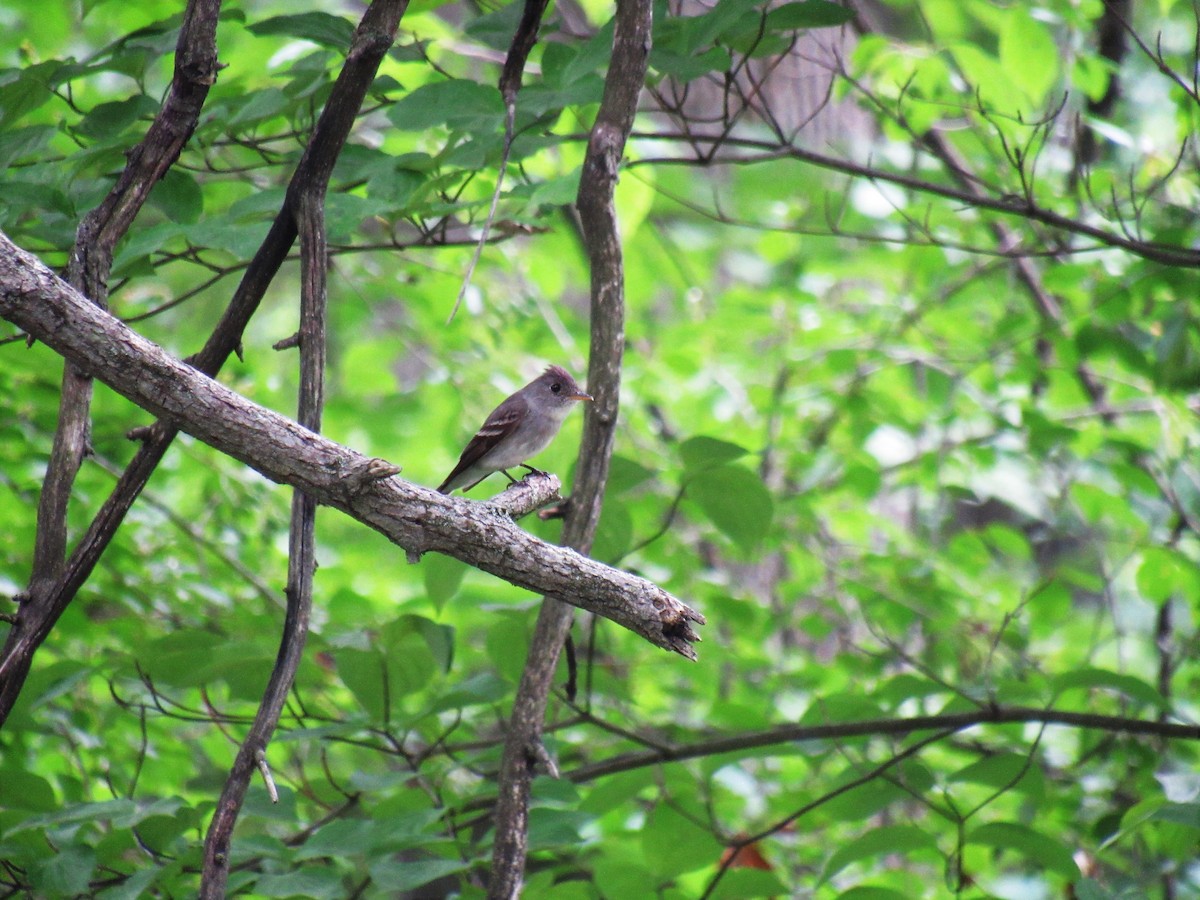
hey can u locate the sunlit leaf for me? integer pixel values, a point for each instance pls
(736, 501)
(898, 839)
(1037, 847)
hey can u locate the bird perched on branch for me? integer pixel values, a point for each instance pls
(520, 427)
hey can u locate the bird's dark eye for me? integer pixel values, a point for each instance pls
(556, 387)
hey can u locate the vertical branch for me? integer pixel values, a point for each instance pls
(301, 550)
(597, 211)
(371, 42)
(510, 84)
(306, 203)
(87, 270)
(1111, 45)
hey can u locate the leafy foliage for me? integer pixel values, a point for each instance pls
(910, 420)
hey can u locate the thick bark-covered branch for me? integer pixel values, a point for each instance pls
(598, 217)
(302, 560)
(416, 518)
(522, 43)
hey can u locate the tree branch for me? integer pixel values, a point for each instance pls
(597, 211)
(522, 43)
(416, 518)
(786, 734)
(302, 562)
(1019, 207)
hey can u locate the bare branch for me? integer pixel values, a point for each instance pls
(510, 84)
(598, 217)
(1017, 207)
(786, 734)
(302, 562)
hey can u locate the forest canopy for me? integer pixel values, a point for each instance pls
(889, 308)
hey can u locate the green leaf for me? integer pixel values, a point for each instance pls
(872, 892)
(1132, 687)
(1179, 813)
(134, 887)
(318, 27)
(624, 474)
(614, 532)
(27, 91)
(744, 884)
(311, 881)
(808, 14)
(179, 196)
(438, 638)
(443, 577)
(550, 828)
(845, 707)
(1160, 575)
(107, 121)
(480, 689)
(75, 813)
(364, 672)
(1013, 771)
(673, 843)
(24, 790)
(1102, 341)
(985, 74)
(1037, 847)
(1028, 54)
(1090, 889)
(736, 501)
(496, 29)
(24, 143)
(687, 67)
(397, 876)
(888, 839)
(184, 659)
(257, 107)
(621, 875)
(702, 452)
(1177, 353)
(66, 873)
(457, 104)
(158, 833)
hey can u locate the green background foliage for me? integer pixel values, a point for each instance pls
(850, 436)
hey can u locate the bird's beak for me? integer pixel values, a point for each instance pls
(588, 397)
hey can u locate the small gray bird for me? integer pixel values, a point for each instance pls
(520, 427)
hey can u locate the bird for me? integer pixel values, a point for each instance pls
(520, 427)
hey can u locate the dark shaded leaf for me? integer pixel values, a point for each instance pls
(318, 27)
(703, 452)
(458, 104)
(808, 14)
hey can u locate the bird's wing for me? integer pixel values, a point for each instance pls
(499, 424)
